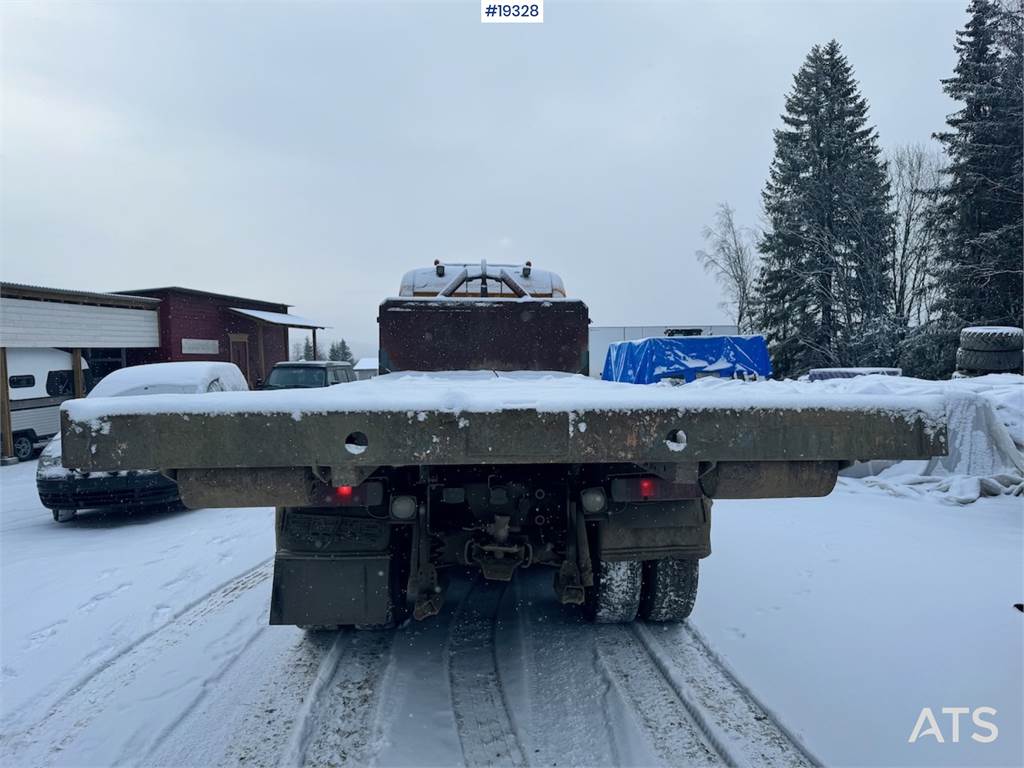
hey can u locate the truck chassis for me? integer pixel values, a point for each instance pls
(373, 506)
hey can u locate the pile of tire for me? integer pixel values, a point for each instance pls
(990, 349)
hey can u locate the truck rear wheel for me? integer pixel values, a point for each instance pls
(615, 596)
(669, 589)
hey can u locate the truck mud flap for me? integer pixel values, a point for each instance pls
(680, 529)
(329, 591)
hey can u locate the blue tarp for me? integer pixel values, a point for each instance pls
(646, 361)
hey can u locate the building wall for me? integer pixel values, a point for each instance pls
(191, 323)
(30, 323)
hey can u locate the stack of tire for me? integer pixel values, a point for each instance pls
(990, 349)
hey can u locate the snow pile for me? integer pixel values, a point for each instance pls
(985, 417)
(986, 445)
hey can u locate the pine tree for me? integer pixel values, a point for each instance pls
(344, 352)
(823, 291)
(334, 351)
(979, 209)
(307, 350)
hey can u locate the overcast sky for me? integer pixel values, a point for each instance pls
(311, 153)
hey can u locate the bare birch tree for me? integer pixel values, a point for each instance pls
(731, 258)
(914, 175)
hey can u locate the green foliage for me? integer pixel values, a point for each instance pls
(979, 208)
(929, 350)
(340, 350)
(824, 282)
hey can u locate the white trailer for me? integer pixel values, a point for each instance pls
(39, 380)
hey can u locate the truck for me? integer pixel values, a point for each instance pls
(484, 445)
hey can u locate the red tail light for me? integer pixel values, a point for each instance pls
(652, 489)
(368, 494)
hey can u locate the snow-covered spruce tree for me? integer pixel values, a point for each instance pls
(345, 352)
(979, 208)
(823, 292)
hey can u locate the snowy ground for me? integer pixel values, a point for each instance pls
(143, 641)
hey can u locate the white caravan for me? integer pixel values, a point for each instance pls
(39, 380)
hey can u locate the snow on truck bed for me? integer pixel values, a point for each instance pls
(488, 392)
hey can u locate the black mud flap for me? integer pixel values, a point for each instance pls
(329, 591)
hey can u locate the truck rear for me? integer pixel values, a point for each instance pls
(483, 446)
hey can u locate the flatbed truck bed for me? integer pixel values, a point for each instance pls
(381, 485)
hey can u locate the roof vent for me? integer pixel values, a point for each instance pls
(526, 268)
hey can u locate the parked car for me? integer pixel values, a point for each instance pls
(39, 380)
(65, 491)
(303, 374)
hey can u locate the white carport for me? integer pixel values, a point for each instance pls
(38, 317)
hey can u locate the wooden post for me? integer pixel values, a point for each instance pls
(76, 365)
(7, 449)
(314, 343)
(263, 357)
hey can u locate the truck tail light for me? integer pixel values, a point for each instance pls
(369, 494)
(652, 489)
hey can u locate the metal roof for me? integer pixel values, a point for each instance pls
(196, 292)
(66, 295)
(278, 318)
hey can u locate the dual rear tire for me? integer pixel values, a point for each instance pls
(657, 590)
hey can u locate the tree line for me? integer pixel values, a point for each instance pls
(336, 350)
(868, 258)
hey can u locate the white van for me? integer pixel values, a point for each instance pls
(39, 380)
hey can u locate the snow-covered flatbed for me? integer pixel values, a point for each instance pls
(477, 417)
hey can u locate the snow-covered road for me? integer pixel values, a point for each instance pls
(143, 640)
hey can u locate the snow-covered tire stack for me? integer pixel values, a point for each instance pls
(990, 349)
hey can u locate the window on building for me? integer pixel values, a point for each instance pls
(20, 382)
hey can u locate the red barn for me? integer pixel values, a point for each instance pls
(198, 325)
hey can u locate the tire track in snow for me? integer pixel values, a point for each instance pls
(726, 711)
(125, 662)
(547, 646)
(485, 728)
(349, 730)
(338, 721)
(298, 742)
(660, 712)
